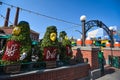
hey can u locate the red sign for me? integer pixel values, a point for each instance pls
(50, 54)
(12, 51)
(68, 51)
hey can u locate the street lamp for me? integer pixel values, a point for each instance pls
(112, 45)
(82, 19)
(111, 30)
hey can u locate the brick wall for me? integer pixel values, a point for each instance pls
(111, 51)
(90, 53)
(63, 73)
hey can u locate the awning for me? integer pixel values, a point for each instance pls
(34, 42)
(5, 36)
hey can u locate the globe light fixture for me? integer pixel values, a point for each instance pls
(83, 18)
(111, 28)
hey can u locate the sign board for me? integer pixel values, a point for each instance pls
(50, 54)
(12, 51)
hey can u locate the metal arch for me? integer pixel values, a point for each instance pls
(92, 23)
(100, 24)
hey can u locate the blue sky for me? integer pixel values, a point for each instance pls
(107, 11)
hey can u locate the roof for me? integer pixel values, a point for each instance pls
(34, 32)
(3, 36)
(8, 30)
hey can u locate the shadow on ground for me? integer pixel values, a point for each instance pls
(109, 70)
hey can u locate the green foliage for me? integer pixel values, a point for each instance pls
(24, 34)
(47, 42)
(64, 43)
(62, 53)
(37, 52)
(23, 38)
(62, 34)
(8, 62)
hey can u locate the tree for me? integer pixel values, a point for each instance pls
(19, 44)
(65, 46)
(50, 42)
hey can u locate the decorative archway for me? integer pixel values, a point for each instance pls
(100, 24)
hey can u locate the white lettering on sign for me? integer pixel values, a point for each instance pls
(50, 55)
(10, 51)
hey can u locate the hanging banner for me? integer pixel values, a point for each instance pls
(12, 51)
(50, 54)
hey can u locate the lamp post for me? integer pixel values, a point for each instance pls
(111, 30)
(112, 45)
(82, 19)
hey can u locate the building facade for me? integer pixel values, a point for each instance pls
(8, 31)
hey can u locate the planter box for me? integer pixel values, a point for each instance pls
(72, 62)
(1, 69)
(38, 65)
(13, 68)
(50, 64)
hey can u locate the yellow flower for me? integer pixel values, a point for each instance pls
(53, 36)
(16, 31)
(66, 38)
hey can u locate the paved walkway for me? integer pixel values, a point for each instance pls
(111, 73)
